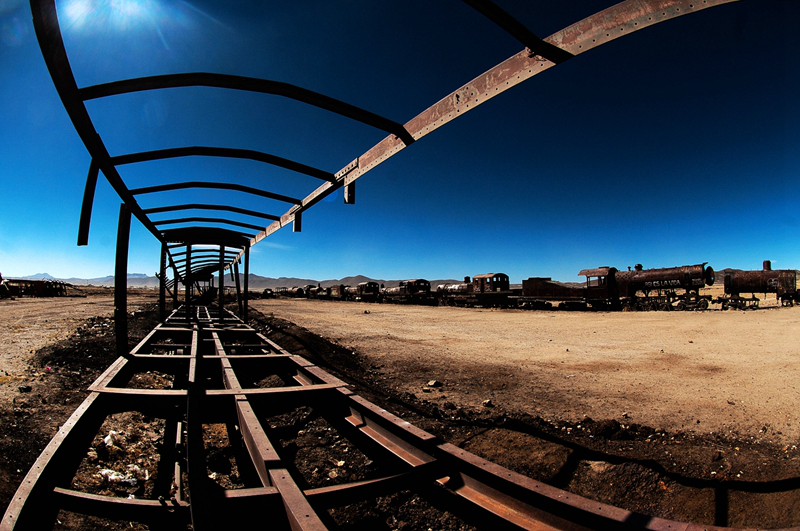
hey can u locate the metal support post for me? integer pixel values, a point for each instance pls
(187, 283)
(246, 279)
(162, 284)
(121, 281)
(235, 268)
(88, 203)
(221, 283)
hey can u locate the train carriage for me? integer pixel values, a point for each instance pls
(414, 291)
(490, 290)
(781, 282)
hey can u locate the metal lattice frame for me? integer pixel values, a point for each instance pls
(212, 345)
(537, 56)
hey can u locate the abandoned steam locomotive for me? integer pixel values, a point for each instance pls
(604, 288)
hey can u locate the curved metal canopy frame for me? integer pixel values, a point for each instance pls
(539, 55)
(201, 249)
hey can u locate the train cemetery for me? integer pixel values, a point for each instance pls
(669, 426)
(450, 407)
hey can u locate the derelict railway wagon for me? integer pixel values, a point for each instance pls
(781, 282)
(491, 290)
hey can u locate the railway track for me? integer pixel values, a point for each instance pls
(222, 373)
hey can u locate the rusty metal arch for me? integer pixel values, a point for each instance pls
(210, 151)
(507, 500)
(538, 56)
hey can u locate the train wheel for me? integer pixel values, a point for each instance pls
(681, 306)
(665, 307)
(702, 304)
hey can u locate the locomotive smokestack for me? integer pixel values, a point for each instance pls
(467, 280)
(767, 265)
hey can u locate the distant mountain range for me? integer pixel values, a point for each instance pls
(255, 282)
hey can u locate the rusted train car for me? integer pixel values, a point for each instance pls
(599, 292)
(781, 282)
(414, 291)
(606, 288)
(491, 290)
(13, 287)
(365, 292)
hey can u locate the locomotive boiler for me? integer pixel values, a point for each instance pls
(665, 288)
(781, 282)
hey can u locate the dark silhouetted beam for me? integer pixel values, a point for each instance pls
(206, 236)
(202, 151)
(207, 220)
(519, 31)
(88, 203)
(48, 34)
(215, 186)
(278, 88)
(203, 206)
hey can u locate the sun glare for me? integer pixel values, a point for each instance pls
(118, 15)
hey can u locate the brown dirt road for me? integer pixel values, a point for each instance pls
(705, 372)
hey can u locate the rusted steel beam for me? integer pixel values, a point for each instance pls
(204, 151)
(187, 301)
(519, 31)
(246, 280)
(239, 301)
(206, 206)
(214, 186)
(206, 236)
(199, 492)
(350, 493)
(122, 508)
(301, 515)
(87, 204)
(121, 281)
(162, 283)
(202, 79)
(206, 220)
(202, 260)
(48, 34)
(605, 26)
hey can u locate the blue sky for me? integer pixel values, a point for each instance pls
(674, 145)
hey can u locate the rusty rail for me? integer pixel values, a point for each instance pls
(215, 362)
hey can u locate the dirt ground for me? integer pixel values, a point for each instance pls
(713, 372)
(28, 324)
(51, 350)
(682, 415)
